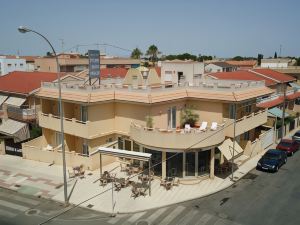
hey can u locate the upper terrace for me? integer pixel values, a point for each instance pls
(224, 90)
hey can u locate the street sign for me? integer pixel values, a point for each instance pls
(94, 64)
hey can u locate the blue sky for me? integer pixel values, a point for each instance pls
(216, 27)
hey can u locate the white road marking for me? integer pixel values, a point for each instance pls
(187, 218)
(155, 215)
(6, 213)
(204, 219)
(13, 206)
(172, 215)
(134, 218)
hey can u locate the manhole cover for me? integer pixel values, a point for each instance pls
(250, 176)
(90, 174)
(32, 212)
(142, 222)
(17, 185)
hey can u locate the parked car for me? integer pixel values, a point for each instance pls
(296, 136)
(290, 146)
(272, 160)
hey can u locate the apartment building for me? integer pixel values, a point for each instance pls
(19, 107)
(73, 63)
(11, 63)
(148, 119)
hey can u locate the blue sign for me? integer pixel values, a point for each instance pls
(94, 63)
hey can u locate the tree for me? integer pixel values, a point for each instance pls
(259, 58)
(153, 53)
(298, 61)
(202, 58)
(136, 53)
(188, 116)
(275, 55)
(49, 54)
(238, 58)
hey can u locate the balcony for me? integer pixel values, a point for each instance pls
(21, 114)
(246, 123)
(87, 130)
(176, 139)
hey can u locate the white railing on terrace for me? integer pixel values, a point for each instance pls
(66, 119)
(215, 85)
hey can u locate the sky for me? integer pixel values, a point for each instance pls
(216, 27)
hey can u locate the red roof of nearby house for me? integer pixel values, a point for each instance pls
(113, 72)
(244, 63)
(242, 75)
(293, 96)
(272, 103)
(24, 82)
(281, 77)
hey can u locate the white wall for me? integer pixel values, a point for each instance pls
(10, 65)
(189, 69)
(212, 68)
(274, 64)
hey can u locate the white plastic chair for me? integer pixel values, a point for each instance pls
(214, 126)
(203, 126)
(187, 128)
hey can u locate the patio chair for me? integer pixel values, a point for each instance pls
(203, 126)
(187, 128)
(118, 186)
(135, 192)
(214, 126)
(176, 181)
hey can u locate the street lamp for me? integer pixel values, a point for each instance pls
(23, 29)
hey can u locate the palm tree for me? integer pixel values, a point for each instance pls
(153, 53)
(188, 116)
(136, 53)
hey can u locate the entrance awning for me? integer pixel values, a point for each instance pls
(227, 149)
(124, 153)
(17, 130)
(2, 99)
(15, 101)
(276, 112)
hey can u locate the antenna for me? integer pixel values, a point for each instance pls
(280, 50)
(62, 44)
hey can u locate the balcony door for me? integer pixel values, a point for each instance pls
(83, 113)
(172, 117)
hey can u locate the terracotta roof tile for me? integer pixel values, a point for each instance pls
(281, 77)
(272, 103)
(24, 82)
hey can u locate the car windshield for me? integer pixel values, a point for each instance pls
(297, 134)
(271, 156)
(285, 144)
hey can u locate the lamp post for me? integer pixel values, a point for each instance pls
(26, 30)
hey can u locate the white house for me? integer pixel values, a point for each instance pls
(180, 71)
(275, 63)
(9, 64)
(215, 67)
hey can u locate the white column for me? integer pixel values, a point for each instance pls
(164, 165)
(196, 164)
(183, 164)
(212, 163)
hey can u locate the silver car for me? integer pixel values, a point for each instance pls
(296, 136)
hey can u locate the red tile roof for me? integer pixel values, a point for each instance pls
(281, 77)
(272, 103)
(24, 82)
(113, 72)
(242, 75)
(158, 70)
(293, 96)
(244, 63)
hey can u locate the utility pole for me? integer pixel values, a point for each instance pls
(62, 45)
(283, 110)
(280, 51)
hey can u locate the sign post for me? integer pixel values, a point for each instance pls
(94, 64)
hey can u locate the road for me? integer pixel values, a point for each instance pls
(258, 198)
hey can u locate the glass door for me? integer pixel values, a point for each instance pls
(83, 113)
(190, 164)
(172, 117)
(174, 164)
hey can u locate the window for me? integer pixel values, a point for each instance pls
(83, 113)
(21, 64)
(232, 111)
(246, 135)
(58, 138)
(85, 148)
(172, 117)
(9, 65)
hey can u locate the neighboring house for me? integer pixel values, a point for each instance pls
(29, 62)
(274, 80)
(180, 71)
(275, 63)
(116, 115)
(219, 67)
(74, 63)
(11, 63)
(19, 106)
(242, 65)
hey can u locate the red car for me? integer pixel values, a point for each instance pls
(290, 146)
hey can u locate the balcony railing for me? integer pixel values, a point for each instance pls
(177, 139)
(21, 114)
(246, 123)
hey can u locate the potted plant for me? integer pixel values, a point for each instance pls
(149, 122)
(188, 116)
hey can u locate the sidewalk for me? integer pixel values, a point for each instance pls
(40, 179)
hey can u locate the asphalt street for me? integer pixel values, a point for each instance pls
(258, 198)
